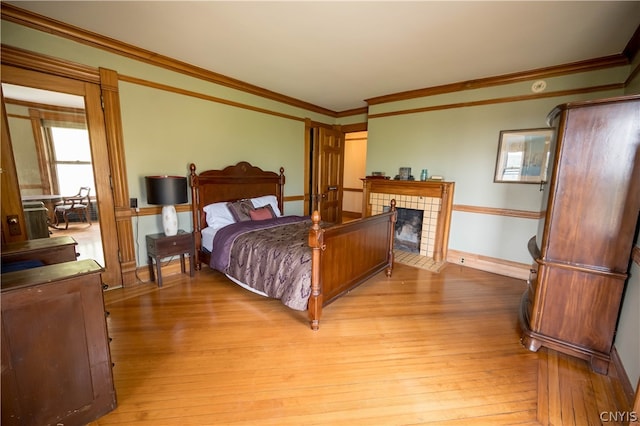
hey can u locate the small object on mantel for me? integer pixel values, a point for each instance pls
(377, 177)
(436, 177)
(404, 173)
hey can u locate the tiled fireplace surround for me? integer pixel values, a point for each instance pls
(434, 198)
(430, 210)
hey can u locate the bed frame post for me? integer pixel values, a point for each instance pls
(280, 194)
(316, 242)
(193, 180)
(393, 219)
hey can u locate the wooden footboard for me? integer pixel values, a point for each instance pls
(344, 256)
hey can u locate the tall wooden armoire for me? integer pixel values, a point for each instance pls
(583, 245)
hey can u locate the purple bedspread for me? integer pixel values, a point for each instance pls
(272, 256)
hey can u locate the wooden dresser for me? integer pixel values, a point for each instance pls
(45, 250)
(56, 363)
(583, 245)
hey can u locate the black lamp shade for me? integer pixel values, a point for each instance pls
(166, 190)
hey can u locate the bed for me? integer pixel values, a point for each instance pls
(337, 257)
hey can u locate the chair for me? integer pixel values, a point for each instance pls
(78, 204)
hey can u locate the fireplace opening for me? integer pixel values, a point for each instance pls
(408, 230)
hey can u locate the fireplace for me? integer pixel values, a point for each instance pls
(432, 200)
(426, 209)
(408, 230)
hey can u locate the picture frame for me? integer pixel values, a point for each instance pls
(523, 155)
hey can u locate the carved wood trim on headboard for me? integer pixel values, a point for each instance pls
(230, 184)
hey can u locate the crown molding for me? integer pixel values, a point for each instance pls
(32, 20)
(540, 73)
(42, 23)
(49, 64)
(350, 112)
(518, 98)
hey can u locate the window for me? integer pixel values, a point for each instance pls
(72, 159)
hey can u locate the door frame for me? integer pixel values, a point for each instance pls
(99, 87)
(311, 161)
(310, 171)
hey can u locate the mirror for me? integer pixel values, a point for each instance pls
(52, 153)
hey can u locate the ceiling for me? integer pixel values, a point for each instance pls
(337, 54)
(39, 96)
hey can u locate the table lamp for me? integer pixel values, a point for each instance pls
(167, 191)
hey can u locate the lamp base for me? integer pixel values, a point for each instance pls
(169, 220)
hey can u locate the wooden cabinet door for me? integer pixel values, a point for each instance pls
(56, 365)
(11, 205)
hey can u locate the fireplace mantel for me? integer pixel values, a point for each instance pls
(422, 189)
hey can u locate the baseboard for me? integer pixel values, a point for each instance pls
(128, 273)
(616, 369)
(489, 264)
(169, 267)
(351, 215)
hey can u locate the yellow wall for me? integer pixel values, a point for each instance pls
(355, 157)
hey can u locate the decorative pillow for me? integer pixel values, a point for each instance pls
(262, 213)
(218, 215)
(240, 210)
(267, 200)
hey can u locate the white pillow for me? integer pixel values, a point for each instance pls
(218, 215)
(208, 234)
(267, 199)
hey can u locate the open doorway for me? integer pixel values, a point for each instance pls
(52, 152)
(324, 170)
(28, 124)
(355, 159)
(335, 163)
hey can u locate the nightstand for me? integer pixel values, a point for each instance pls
(160, 246)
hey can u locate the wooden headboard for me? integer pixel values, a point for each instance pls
(231, 184)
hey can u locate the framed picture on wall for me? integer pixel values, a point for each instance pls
(523, 155)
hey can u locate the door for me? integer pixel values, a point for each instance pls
(327, 159)
(13, 224)
(91, 105)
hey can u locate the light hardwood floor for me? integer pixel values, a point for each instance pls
(87, 236)
(416, 348)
